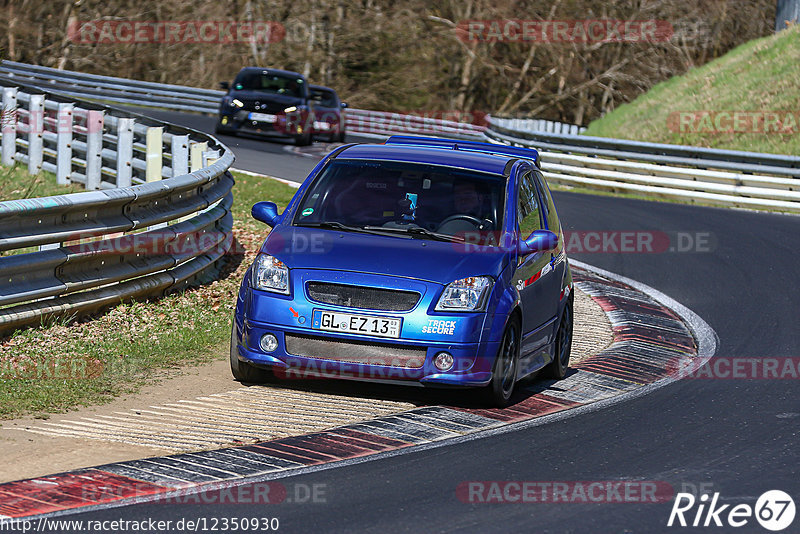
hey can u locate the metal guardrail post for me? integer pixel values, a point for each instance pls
(124, 152)
(197, 150)
(209, 157)
(64, 143)
(35, 130)
(94, 149)
(155, 146)
(9, 120)
(180, 155)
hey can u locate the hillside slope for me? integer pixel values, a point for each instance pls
(759, 79)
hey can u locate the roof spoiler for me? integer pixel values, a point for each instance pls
(474, 146)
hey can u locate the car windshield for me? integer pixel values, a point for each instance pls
(422, 200)
(325, 99)
(269, 83)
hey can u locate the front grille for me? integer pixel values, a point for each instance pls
(265, 106)
(370, 298)
(355, 351)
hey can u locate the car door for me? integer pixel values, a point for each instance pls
(532, 277)
(553, 282)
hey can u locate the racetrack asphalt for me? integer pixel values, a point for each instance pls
(732, 436)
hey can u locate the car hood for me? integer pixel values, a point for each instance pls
(434, 261)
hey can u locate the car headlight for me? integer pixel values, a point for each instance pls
(270, 274)
(237, 103)
(467, 294)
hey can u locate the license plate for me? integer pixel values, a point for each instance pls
(369, 325)
(262, 117)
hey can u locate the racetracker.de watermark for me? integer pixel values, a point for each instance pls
(56, 367)
(256, 493)
(565, 491)
(734, 121)
(565, 31)
(28, 122)
(600, 242)
(736, 368)
(174, 31)
(160, 242)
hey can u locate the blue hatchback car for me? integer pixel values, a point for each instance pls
(420, 261)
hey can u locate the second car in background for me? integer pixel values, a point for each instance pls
(329, 114)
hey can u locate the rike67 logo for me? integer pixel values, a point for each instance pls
(774, 510)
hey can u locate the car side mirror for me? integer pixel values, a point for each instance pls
(343, 104)
(224, 85)
(266, 212)
(538, 241)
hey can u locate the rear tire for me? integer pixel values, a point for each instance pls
(563, 346)
(504, 372)
(243, 371)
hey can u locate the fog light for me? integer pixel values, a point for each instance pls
(268, 343)
(443, 361)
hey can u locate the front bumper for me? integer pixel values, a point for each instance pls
(283, 126)
(306, 352)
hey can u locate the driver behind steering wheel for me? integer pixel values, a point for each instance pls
(468, 214)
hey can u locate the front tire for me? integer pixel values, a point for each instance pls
(303, 140)
(243, 371)
(504, 372)
(221, 130)
(563, 346)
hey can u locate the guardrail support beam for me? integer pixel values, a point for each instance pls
(9, 123)
(155, 145)
(35, 131)
(209, 157)
(197, 155)
(64, 143)
(180, 155)
(125, 152)
(94, 149)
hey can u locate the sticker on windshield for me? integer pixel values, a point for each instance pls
(409, 207)
(307, 212)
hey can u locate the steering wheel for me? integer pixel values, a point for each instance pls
(464, 217)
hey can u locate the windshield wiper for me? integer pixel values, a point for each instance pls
(416, 230)
(335, 225)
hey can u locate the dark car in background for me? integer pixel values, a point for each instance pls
(329, 114)
(270, 102)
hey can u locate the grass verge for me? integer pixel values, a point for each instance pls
(61, 366)
(760, 76)
(16, 184)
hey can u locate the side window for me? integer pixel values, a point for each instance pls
(528, 214)
(550, 211)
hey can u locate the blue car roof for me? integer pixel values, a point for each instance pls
(482, 157)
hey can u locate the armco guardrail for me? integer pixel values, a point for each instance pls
(180, 97)
(76, 253)
(383, 123)
(539, 126)
(112, 89)
(689, 174)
